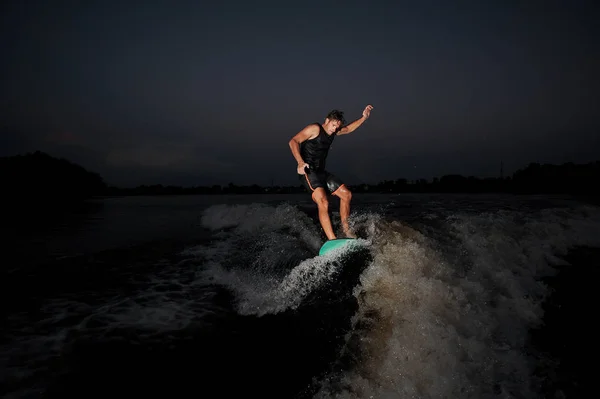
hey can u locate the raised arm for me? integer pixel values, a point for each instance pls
(309, 132)
(349, 128)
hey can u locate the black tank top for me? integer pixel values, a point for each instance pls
(314, 151)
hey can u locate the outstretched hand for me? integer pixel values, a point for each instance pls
(367, 111)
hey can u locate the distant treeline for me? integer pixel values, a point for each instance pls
(569, 178)
(40, 177)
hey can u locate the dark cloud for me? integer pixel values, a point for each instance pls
(211, 93)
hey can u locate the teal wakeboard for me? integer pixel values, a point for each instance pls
(333, 244)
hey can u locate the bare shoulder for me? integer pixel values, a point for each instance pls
(309, 132)
(313, 129)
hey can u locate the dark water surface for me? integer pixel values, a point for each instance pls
(446, 296)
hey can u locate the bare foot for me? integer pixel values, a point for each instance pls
(349, 234)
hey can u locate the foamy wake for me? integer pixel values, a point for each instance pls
(266, 255)
(431, 327)
(165, 302)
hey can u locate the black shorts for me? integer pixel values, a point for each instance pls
(324, 179)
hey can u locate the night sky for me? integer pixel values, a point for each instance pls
(198, 93)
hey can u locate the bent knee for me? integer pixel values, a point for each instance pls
(345, 194)
(321, 200)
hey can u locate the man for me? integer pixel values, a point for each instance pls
(310, 148)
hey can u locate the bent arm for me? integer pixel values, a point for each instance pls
(349, 128)
(307, 133)
(295, 147)
(354, 125)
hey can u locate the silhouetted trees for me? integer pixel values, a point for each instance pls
(203, 190)
(568, 178)
(40, 178)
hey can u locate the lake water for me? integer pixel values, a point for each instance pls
(454, 296)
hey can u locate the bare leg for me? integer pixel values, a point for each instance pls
(320, 198)
(345, 196)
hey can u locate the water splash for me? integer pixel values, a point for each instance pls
(434, 324)
(266, 255)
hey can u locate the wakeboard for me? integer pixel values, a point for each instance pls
(330, 245)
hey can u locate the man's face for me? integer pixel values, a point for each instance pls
(332, 125)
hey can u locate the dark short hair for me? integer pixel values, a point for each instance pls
(336, 115)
